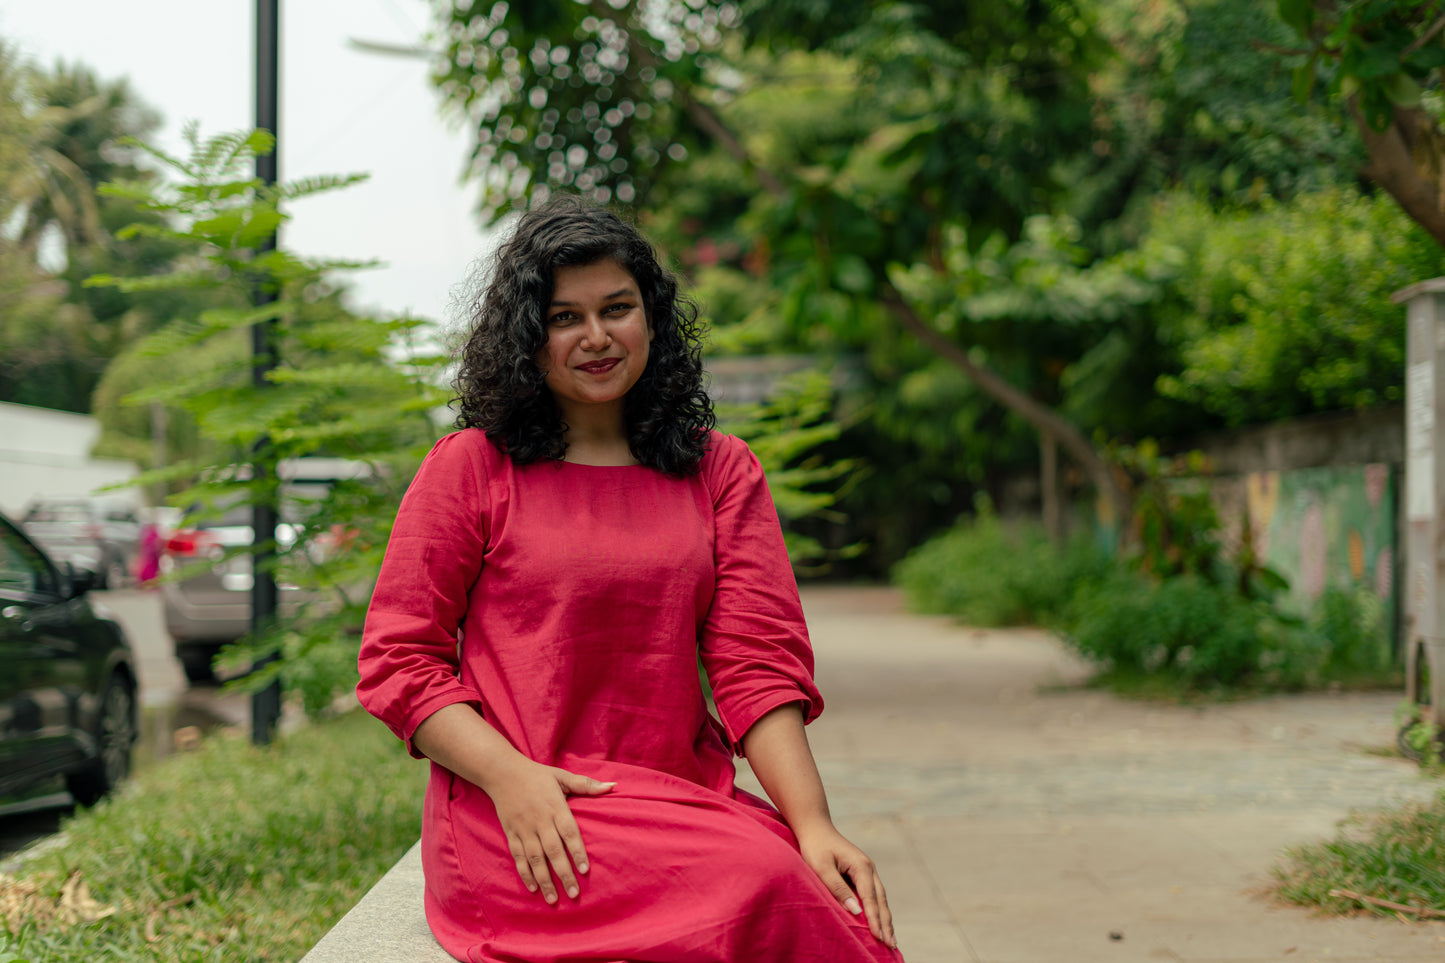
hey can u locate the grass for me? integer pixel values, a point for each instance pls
(1395, 855)
(227, 853)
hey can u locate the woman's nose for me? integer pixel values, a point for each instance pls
(595, 333)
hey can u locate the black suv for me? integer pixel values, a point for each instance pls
(67, 678)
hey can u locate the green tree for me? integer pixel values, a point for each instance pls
(1285, 310)
(944, 114)
(333, 390)
(65, 131)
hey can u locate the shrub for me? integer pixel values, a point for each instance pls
(989, 573)
(1354, 633)
(1203, 634)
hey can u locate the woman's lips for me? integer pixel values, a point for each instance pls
(601, 366)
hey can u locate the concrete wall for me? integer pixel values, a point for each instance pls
(1319, 498)
(47, 453)
(1338, 438)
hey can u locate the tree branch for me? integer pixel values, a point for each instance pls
(1394, 167)
(1424, 38)
(1043, 418)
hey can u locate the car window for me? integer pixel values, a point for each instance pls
(59, 512)
(22, 568)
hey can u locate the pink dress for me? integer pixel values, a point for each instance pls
(581, 596)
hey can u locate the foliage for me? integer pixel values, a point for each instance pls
(1382, 51)
(229, 852)
(1174, 615)
(1382, 63)
(1395, 855)
(1420, 737)
(332, 386)
(1204, 634)
(987, 572)
(868, 186)
(1285, 309)
(1189, 104)
(787, 431)
(62, 133)
(1355, 635)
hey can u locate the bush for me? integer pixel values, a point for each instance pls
(988, 573)
(1202, 634)
(1354, 634)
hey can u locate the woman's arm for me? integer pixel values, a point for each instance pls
(531, 798)
(777, 749)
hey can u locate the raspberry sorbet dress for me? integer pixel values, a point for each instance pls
(568, 603)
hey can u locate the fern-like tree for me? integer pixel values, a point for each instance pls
(340, 385)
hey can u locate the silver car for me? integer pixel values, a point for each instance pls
(210, 605)
(97, 535)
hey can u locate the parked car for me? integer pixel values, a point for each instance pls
(209, 605)
(67, 677)
(98, 535)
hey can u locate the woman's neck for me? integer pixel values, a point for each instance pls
(597, 438)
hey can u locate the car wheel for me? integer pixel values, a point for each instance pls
(196, 663)
(115, 737)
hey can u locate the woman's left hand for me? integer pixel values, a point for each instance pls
(839, 863)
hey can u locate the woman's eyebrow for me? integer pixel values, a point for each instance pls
(619, 293)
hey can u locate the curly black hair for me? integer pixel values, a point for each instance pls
(500, 387)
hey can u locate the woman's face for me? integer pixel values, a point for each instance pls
(598, 338)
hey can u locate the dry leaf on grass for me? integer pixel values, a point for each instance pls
(23, 901)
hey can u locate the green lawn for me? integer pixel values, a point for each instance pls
(226, 853)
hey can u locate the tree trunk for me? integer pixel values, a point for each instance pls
(1407, 159)
(1049, 489)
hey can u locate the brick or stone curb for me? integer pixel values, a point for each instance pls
(388, 925)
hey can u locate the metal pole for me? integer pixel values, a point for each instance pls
(265, 704)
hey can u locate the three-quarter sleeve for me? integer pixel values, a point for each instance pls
(409, 658)
(754, 641)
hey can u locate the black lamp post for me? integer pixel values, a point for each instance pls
(265, 704)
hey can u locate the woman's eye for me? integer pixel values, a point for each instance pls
(560, 320)
(618, 308)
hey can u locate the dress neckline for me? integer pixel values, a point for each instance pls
(583, 464)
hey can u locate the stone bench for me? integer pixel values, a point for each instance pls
(388, 925)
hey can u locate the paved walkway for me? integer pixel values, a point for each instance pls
(1016, 817)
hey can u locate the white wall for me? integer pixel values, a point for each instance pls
(46, 453)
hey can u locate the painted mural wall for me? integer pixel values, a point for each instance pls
(1318, 527)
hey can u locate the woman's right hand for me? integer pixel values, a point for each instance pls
(531, 801)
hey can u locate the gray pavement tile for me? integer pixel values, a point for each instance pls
(1018, 817)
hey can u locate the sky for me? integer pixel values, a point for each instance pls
(342, 111)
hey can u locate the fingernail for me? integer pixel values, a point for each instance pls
(608, 785)
(572, 891)
(551, 897)
(851, 905)
(582, 867)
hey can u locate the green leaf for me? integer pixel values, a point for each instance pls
(1402, 90)
(1302, 80)
(1299, 14)
(851, 274)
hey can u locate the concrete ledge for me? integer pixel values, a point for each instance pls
(388, 925)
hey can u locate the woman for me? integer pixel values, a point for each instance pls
(554, 571)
